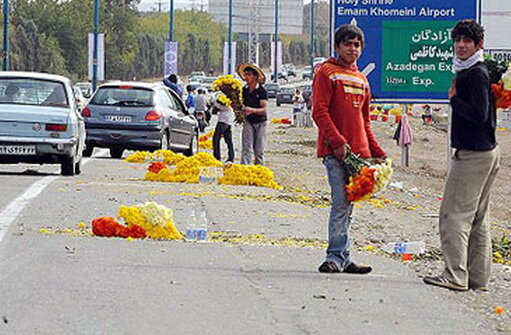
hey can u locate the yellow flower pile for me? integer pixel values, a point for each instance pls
(224, 100)
(186, 171)
(254, 175)
(205, 141)
(232, 88)
(284, 120)
(155, 219)
(169, 157)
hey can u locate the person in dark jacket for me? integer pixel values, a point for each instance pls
(171, 82)
(464, 228)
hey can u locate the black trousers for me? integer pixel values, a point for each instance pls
(223, 129)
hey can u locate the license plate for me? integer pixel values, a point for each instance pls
(118, 118)
(22, 150)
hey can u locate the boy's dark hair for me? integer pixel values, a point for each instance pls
(251, 70)
(173, 78)
(469, 28)
(348, 32)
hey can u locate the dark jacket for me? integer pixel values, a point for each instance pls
(474, 116)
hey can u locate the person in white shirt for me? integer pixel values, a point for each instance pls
(223, 127)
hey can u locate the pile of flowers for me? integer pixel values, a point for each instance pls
(142, 220)
(232, 89)
(155, 219)
(169, 157)
(254, 175)
(366, 179)
(186, 171)
(284, 120)
(206, 140)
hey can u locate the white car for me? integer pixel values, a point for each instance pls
(40, 121)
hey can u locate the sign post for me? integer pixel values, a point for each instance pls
(408, 47)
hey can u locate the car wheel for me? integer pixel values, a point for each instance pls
(116, 152)
(78, 167)
(87, 152)
(194, 146)
(278, 104)
(67, 166)
(164, 145)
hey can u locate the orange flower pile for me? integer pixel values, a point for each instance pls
(108, 227)
(284, 120)
(502, 96)
(156, 167)
(361, 186)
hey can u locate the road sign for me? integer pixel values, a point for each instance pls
(170, 58)
(408, 48)
(101, 56)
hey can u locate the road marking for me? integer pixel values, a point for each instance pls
(11, 212)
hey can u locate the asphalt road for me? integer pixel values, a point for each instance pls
(64, 283)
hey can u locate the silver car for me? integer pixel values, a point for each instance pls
(138, 116)
(40, 121)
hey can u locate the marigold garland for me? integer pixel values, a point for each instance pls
(108, 227)
(254, 175)
(156, 167)
(284, 120)
(232, 89)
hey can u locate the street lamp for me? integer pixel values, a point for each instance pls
(276, 43)
(229, 41)
(171, 21)
(95, 47)
(6, 35)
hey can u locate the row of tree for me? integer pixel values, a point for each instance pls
(51, 36)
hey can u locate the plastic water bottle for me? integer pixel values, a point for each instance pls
(202, 228)
(415, 247)
(191, 229)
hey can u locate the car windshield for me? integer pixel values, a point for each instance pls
(287, 90)
(29, 91)
(123, 96)
(272, 86)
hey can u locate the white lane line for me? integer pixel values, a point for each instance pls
(11, 212)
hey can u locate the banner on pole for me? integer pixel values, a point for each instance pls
(226, 57)
(101, 56)
(279, 57)
(170, 58)
(408, 48)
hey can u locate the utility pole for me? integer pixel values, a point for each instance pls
(6, 35)
(312, 38)
(229, 41)
(171, 21)
(160, 5)
(95, 47)
(253, 31)
(276, 44)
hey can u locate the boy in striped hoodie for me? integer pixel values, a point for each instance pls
(341, 102)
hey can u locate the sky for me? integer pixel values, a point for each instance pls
(147, 5)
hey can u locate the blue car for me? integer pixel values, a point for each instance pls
(40, 121)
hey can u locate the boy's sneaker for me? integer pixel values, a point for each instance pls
(358, 268)
(329, 267)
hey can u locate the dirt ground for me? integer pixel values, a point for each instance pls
(407, 211)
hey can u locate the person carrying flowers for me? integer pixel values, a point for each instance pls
(341, 103)
(223, 127)
(255, 101)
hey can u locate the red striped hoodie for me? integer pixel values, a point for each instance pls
(341, 100)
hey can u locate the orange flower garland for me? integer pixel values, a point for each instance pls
(361, 186)
(108, 227)
(156, 167)
(502, 96)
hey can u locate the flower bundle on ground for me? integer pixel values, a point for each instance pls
(155, 219)
(108, 227)
(253, 175)
(186, 171)
(169, 157)
(156, 167)
(206, 140)
(232, 88)
(366, 179)
(284, 120)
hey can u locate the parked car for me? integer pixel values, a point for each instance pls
(86, 89)
(197, 76)
(307, 73)
(290, 69)
(138, 116)
(285, 95)
(281, 75)
(40, 121)
(272, 89)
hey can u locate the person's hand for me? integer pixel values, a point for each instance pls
(247, 110)
(452, 90)
(340, 153)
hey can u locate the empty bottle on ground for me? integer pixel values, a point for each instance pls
(191, 229)
(415, 247)
(202, 228)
